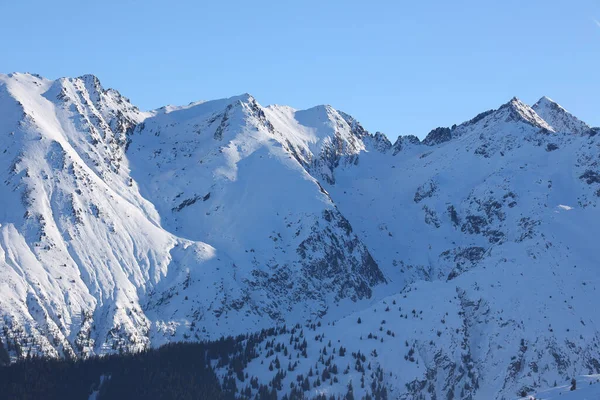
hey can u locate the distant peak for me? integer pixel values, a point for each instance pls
(547, 102)
(518, 106)
(23, 76)
(243, 97)
(558, 117)
(514, 102)
(404, 141)
(437, 136)
(89, 79)
(521, 111)
(326, 108)
(322, 113)
(514, 110)
(90, 83)
(545, 99)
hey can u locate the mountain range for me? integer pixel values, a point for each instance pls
(462, 265)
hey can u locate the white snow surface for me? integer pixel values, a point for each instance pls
(558, 118)
(122, 229)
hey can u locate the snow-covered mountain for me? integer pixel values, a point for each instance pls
(196, 223)
(558, 118)
(468, 257)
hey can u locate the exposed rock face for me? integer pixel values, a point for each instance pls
(437, 136)
(378, 142)
(404, 142)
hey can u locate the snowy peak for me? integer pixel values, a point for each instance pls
(220, 119)
(404, 142)
(92, 84)
(546, 101)
(437, 136)
(87, 91)
(227, 172)
(378, 142)
(558, 118)
(513, 111)
(326, 123)
(517, 110)
(510, 117)
(320, 138)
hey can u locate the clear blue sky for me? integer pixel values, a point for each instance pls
(398, 66)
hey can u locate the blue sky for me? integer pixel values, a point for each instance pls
(399, 67)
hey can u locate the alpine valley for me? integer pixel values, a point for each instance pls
(462, 266)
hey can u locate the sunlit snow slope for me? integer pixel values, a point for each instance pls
(194, 224)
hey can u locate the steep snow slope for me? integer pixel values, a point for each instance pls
(216, 172)
(56, 202)
(80, 247)
(320, 138)
(558, 118)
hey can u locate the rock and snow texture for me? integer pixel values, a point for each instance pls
(585, 387)
(558, 118)
(122, 229)
(215, 173)
(469, 257)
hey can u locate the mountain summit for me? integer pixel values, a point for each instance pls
(558, 118)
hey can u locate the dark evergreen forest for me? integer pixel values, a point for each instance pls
(174, 371)
(179, 371)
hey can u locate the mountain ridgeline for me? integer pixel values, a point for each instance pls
(462, 266)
